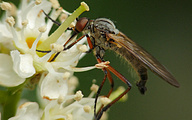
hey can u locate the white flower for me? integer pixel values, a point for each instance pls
(53, 85)
(22, 64)
(64, 108)
(22, 35)
(27, 111)
(68, 107)
(75, 110)
(7, 75)
(30, 32)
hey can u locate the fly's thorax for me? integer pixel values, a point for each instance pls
(99, 51)
(98, 30)
(105, 25)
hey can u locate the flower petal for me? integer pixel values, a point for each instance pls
(53, 85)
(27, 111)
(22, 64)
(8, 77)
(6, 37)
(34, 19)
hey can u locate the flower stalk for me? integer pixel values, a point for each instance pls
(11, 98)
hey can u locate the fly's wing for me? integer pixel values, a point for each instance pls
(142, 55)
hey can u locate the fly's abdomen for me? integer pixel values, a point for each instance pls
(139, 67)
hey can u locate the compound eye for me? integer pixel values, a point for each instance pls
(81, 23)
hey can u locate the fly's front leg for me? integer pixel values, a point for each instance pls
(71, 45)
(55, 22)
(75, 32)
(106, 75)
(121, 77)
(98, 93)
(99, 53)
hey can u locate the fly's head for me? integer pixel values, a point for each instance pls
(97, 29)
(102, 25)
(84, 25)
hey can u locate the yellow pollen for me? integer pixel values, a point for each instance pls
(30, 41)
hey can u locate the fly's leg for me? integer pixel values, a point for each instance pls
(98, 93)
(121, 77)
(42, 51)
(57, 23)
(106, 75)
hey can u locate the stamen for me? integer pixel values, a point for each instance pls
(62, 17)
(87, 108)
(58, 12)
(78, 96)
(34, 46)
(13, 11)
(64, 11)
(94, 88)
(24, 23)
(102, 65)
(82, 48)
(94, 81)
(73, 81)
(43, 28)
(66, 75)
(105, 100)
(60, 99)
(6, 6)
(69, 117)
(37, 2)
(55, 3)
(76, 69)
(10, 21)
(56, 47)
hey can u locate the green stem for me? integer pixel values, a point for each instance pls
(10, 101)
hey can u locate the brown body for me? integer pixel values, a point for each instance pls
(105, 36)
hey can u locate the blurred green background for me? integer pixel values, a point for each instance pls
(163, 28)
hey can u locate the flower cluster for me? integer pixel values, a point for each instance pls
(27, 34)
